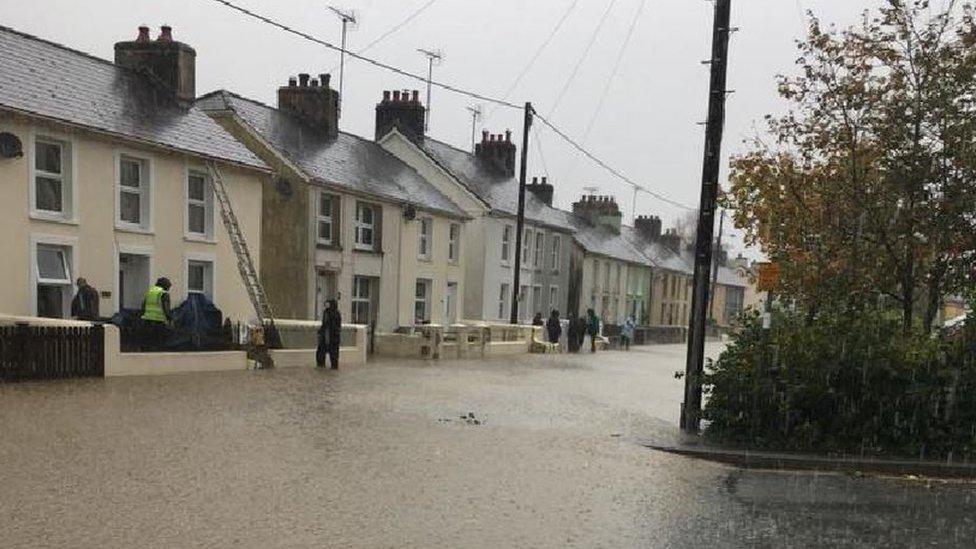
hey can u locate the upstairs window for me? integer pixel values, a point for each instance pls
(454, 242)
(540, 245)
(554, 257)
(199, 205)
(134, 192)
(426, 235)
(365, 226)
(506, 243)
(325, 218)
(526, 247)
(52, 178)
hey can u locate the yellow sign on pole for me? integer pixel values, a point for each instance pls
(767, 275)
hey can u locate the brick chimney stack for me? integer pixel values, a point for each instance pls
(312, 101)
(543, 191)
(599, 210)
(497, 151)
(172, 63)
(403, 111)
(649, 227)
(672, 240)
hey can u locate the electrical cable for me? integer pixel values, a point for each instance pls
(542, 156)
(393, 29)
(607, 167)
(538, 52)
(371, 61)
(579, 62)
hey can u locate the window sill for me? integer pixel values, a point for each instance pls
(133, 229)
(425, 259)
(37, 215)
(199, 238)
(367, 251)
(326, 246)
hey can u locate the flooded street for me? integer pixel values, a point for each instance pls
(380, 457)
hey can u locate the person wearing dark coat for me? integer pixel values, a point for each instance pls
(580, 332)
(553, 327)
(84, 306)
(537, 320)
(329, 334)
(592, 328)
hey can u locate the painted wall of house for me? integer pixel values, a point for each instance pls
(612, 298)
(671, 300)
(90, 234)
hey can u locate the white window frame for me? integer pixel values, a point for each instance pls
(425, 299)
(554, 254)
(326, 218)
(540, 247)
(359, 281)
(526, 246)
(52, 240)
(537, 300)
(200, 258)
(507, 244)
(425, 238)
(146, 202)
(69, 194)
(362, 226)
(207, 204)
(454, 242)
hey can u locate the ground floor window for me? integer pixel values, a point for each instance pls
(537, 303)
(362, 300)
(53, 281)
(199, 277)
(503, 298)
(553, 298)
(421, 307)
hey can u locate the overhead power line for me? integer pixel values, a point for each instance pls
(609, 168)
(397, 27)
(579, 62)
(374, 62)
(538, 51)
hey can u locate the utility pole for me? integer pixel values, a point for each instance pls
(475, 111)
(520, 222)
(715, 262)
(347, 16)
(691, 407)
(432, 55)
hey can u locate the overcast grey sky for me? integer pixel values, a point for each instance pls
(647, 127)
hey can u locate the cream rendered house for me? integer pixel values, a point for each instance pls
(112, 183)
(347, 220)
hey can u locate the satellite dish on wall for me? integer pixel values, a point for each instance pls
(10, 146)
(409, 212)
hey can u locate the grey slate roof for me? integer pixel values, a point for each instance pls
(499, 191)
(347, 161)
(49, 80)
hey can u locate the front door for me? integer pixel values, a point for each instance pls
(450, 304)
(325, 289)
(133, 280)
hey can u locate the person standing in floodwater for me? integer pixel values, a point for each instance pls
(329, 334)
(592, 328)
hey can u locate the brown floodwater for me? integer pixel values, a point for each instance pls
(380, 457)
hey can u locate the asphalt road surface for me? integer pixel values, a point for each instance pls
(547, 455)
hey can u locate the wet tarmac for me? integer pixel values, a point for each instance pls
(546, 455)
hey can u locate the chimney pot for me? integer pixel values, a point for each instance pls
(544, 179)
(314, 83)
(303, 80)
(143, 34)
(292, 82)
(508, 136)
(396, 96)
(386, 96)
(492, 137)
(416, 96)
(484, 136)
(165, 34)
(535, 180)
(405, 95)
(324, 79)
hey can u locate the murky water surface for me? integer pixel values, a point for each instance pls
(379, 457)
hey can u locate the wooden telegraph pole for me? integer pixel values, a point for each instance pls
(520, 222)
(691, 407)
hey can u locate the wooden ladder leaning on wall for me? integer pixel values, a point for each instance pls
(249, 275)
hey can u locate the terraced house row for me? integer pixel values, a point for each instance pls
(103, 167)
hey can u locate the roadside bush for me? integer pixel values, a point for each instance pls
(844, 383)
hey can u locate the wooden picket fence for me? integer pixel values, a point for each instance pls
(48, 352)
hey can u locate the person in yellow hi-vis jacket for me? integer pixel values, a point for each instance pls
(156, 314)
